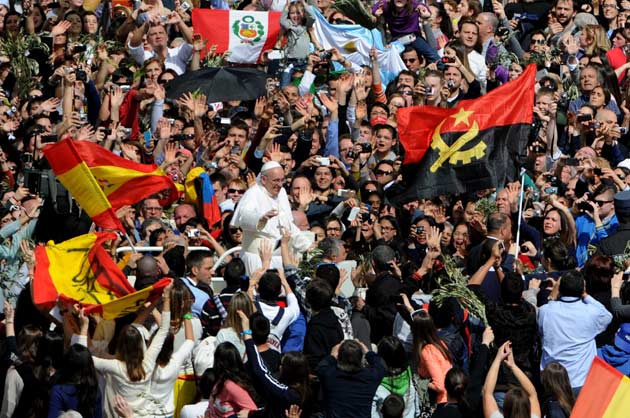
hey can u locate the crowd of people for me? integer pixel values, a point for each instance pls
(316, 294)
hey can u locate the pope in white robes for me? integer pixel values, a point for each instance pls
(262, 214)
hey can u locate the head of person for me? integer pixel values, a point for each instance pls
(200, 265)
(382, 257)
(389, 227)
(434, 80)
(599, 97)
(487, 23)
(157, 37)
(300, 220)
(556, 255)
(618, 37)
(572, 284)
(182, 214)
(269, 286)
(300, 184)
(622, 207)
(565, 11)
(499, 225)
(589, 79)
(239, 302)
(393, 354)
(323, 176)
(384, 172)
(151, 208)
(260, 328)
(237, 133)
(28, 342)
(272, 178)
(228, 365)
(294, 372)
(77, 369)
(393, 406)
(147, 272)
(181, 303)
(556, 223)
(512, 288)
(319, 294)
(599, 271)
(350, 356)
(456, 383)
(334, 227)
(330, 273)
(236, 189)
(555, 381)
(130, 350)
(516, 404)
(425, 333)
(234, 273)
(411, 59)
(469, 33)
(333, 250)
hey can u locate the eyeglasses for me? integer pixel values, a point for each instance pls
(235, 230)
(538, 41)
(602, 202)
(383, 173)
(239, 191)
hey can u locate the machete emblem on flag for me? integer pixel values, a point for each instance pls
(454, 154)
(248, 29)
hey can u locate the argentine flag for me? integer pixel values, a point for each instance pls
(354, 43)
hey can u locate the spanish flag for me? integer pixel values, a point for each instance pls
(121, 182)
(81, 271)
(605, 394)
(206, 201)
(75, 175)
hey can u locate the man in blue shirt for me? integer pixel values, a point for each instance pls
(596, 224)
(568, 327)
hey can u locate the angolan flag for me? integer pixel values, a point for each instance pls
(245, 34)
(476, 145)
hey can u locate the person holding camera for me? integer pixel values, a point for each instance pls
(597, 220)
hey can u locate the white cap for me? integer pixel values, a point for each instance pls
(624, 164)
(6, 4)
(268, 165)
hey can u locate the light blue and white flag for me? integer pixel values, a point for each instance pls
(354, 43)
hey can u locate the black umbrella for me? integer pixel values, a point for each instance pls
(220, 84)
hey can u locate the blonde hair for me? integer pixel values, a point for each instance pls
(600, 44)
(240, 302)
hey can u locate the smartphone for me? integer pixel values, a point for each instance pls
(324, 161)
(148, 139)
(353, 213)
(185, 6)
(47, 139)
(275, 54)
(345, 193)
(551, 190)
(574, 162)
(407, 39)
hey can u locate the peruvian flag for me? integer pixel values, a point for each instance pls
(245, 34)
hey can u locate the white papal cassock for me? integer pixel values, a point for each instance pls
(253, 205)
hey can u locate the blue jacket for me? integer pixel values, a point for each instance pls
(588, 234)
(617, 358)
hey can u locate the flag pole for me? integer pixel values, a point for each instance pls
(133, 247)
(520, 215)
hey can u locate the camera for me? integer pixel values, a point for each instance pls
(236, 149)
(585, 117)
(539, 149)
(447, 59)
(537, 213)
(126, 131)
(81, 75)
(26, 158)
(171, 121)
(574, 162)
(563, 103)
(550, 178)
(595, 124)
(524, 249)
(125, 88)
(11, 111)
(622, 130)
(419, 229)
(325, 55)
(366, 147)
(107, 131)
(551, 190)
(193, 233)
(450, 84)
(503, 32)
(584, 206)
(183, 137)
(597, 171)
(351, 154)
(79, 48)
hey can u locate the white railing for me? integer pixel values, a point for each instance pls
(217, 282)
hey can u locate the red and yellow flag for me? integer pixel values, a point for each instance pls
(81, 271)
(73, 172)
(605, 394)
(121, 182)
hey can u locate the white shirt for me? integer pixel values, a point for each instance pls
(478, 66)
(176, 58)
(195, 410)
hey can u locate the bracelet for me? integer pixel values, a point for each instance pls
(246, 332)
(187, 316)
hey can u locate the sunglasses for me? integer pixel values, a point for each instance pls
(383, 173)
(602, 202)
(538, 41)
(239, 191)
(235, 230)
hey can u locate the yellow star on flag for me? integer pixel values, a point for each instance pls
(462, 116)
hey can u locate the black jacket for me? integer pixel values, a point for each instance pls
(322, 334)
(380, 305)
(616, 243)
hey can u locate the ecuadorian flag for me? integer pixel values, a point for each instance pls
(605, 394)
(205, 201)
